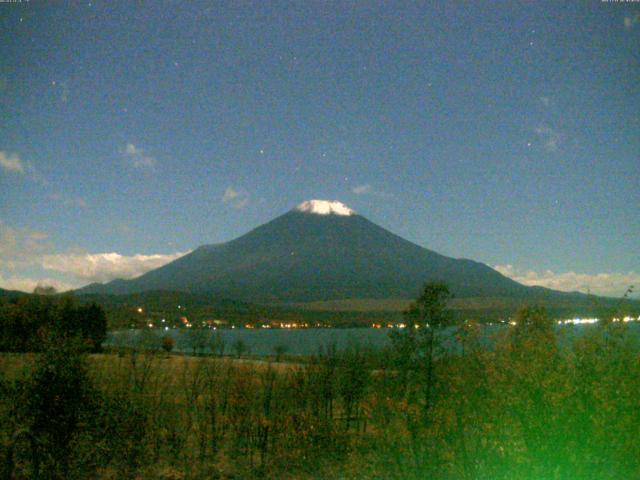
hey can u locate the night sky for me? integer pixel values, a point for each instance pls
(504, 132)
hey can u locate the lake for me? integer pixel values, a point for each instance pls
(305, 341)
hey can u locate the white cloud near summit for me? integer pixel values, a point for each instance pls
(368, 189)
(103, 267)
(607, 284)
(362, 189)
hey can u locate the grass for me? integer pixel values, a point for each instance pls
(525, 409)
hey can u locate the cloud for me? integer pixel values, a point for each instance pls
(609, 284)
(8, 240)
(27, 284)
(64, 94)
(37, 235)
(11, 162)
(103, 267)
(20, 245)
(546, 101)
(241, 203)
(362, 189)
(229, 194)
(122, 229)
(632, 21)
(78, 202)
(23, 250)
(549, 137)
(132, 150)
(367, 189)
(237, 199)
(138, 158)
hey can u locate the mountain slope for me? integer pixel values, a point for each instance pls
(316, 253)
(11, 293)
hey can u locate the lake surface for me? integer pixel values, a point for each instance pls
(307, 341)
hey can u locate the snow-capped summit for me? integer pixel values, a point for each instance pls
(325, 207)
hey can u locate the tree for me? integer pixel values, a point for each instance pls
(58, 396)
(93, 326)
(352, 383)
(27, 322)
(217, 344)
(44, 290)
(279, 351)
(168, 343)
(415, 345)
(239, 347)
(198, 338)
(415, 348)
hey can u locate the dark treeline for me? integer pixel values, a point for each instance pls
(525, 409)
(122, 311)
(28, 322)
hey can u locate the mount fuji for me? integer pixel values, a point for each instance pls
(320, 250)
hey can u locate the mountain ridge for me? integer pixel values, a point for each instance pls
(324, 251)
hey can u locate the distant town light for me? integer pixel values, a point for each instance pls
(581, 321)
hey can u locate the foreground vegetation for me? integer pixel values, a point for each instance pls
(535, 405)
(27, 322)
